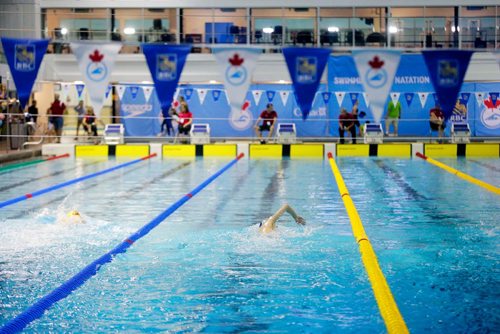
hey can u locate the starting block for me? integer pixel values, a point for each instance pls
(460, 133)
(200, 134)
(286, 133)
(113, 134)
(373, 134)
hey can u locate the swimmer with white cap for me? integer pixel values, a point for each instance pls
(269, 224)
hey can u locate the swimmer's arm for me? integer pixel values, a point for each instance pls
(288, 208)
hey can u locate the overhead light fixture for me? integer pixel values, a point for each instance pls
(146, 82)
(393, 29)
(213, 81)
(64, 31)
(282, 81)
(129, 31)
(268, 30)
(333, 29)
(457, 28)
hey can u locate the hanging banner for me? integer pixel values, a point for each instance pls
(423, 98)
(494, 97)
(447, 70)
(188, 93)
(270, 95)
(24, 57)
(216, 94)
(237, 66)
(340, 97)
(201, 95)
(409, 98)
(354, 97)
(377, 68)
(120, 89)
(148, 91)
(108, 90)
(79, 89)
(395, 97)
(165, 62)
(140, 117)
(256, 96)
(306, 66)
(326, 97)
(65, 87)
(464, 98)
(284, 96)
(96, 62)
(480, 98)
(133, 91)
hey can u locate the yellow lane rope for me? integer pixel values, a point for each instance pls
(458, 173)
(393, 320)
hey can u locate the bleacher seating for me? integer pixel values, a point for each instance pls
(460, 133)
(373, 134)
(113, 134)
(200, 134)
(286, 133)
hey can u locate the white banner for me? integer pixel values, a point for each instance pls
(376, 68)
(147, 90)
(257, 94)
(120, 89)
(423, 98)
(237, 66)
(395, 97)
(202, 93)
(340, 97)
(65, 93)
(96, 62)
(367, 101)
(284, 96)
(480, 96)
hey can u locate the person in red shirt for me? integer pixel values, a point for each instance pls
(185, 120)
(56, 112)
(436, 120)
(347, 122)
(268, 118)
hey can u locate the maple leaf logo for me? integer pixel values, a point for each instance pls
(236, 60)
(376, 63)
(96, 57)
(489, 103)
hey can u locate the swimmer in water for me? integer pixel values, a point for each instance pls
(74, 217)
(269, 224)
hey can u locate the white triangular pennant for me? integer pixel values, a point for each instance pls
(96, 62)
(395, 97)
(377, 68)
(147, 90)
(65, 91)
(423, 98)
(202, 93)
(480, 96)
(257, 94)
(120, 89)
(340, 97)
(237, 65)
(284, 96)
(367, 101)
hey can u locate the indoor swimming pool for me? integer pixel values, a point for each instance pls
(207, 268)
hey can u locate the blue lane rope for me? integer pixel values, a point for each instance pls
(67, 183)
(36, 310)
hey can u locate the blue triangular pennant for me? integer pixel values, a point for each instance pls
(108, 90)
(188, 93)
(494, 97)
(447, 69)
(24, 57)
(79, 89)
(306, 66)
(165, 63)
(216, 94)
(270, 95)
(326, 97)
(133, 91)
(409, 98)
(354, 97)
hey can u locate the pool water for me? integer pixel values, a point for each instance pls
(206, 268)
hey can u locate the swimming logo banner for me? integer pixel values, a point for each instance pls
(165, 63)
(24, 57)
(96, 62)
(306, 66)
(377, 68)
(447, 70)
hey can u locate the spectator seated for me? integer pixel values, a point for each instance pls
(286, 133)
(113, 134)
(460, 133)
(200, 134)
(373, 134)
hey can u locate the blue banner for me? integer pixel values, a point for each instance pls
(306, 66)
(79, 89)
(447, 70)
(270, 95)
(326, 97)
(165, 63)
(409, 98)
(216, 94)
(24, 57)
(464, 98)
(188, 93)
(140, 118)
(354, 98)
(494, 97)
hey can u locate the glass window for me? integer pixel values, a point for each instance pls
(230, 26)
(478, 26)
(335, 25)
